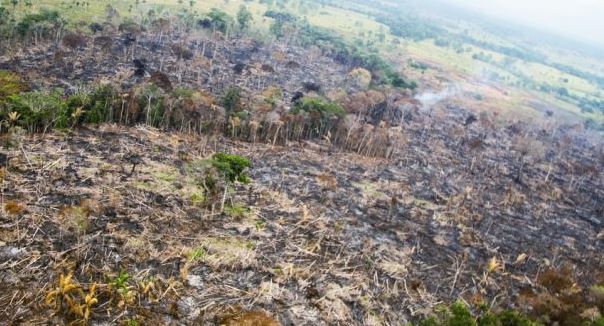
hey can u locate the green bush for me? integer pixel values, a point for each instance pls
(231, 100)
(76, 107)
(152, 99)
(43, 23)
(313, 105)
(10, 84)
(220, 20)
(231, 167)
(100, 104)
(216, 176)
(458, 314)
(43, 110)
(319, 116)
(39, 111)
(455, 315)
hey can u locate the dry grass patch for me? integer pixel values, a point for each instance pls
(13, 207)
(370, 191)
(395, 262)
(249, 318)
(229, 253)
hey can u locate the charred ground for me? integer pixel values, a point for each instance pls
(371, 215)
(319, 237)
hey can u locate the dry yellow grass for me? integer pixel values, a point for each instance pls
(250, 318)
(13, 207)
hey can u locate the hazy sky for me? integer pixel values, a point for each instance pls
(581, 19)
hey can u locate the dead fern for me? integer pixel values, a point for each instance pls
(13, 207)
(70, 302)
(249, 318)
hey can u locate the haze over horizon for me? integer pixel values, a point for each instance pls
(579, 19)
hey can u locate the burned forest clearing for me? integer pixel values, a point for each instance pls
(249, 163)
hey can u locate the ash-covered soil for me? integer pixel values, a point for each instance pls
(320, 236)
(196, 59)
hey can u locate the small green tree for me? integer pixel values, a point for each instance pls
(220, 172)
(319, 116)
(231, 100)
(317, 106)
(244, 17)
(219, 19)
(152, 99)
(40, 25)
(276, 28)
(232, 167)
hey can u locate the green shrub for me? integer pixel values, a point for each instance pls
(397, 81)
(215, 177)
(10, 84)
(39, 111)
(312, 105)
(598, 322)
(236, 211)
(76, 107)
(100, 104)
(43, 23)
(231, 167)
(42, 110)
(219, 19)
(152, 99)
(319, 116)
(458, 314)
(231, 100)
